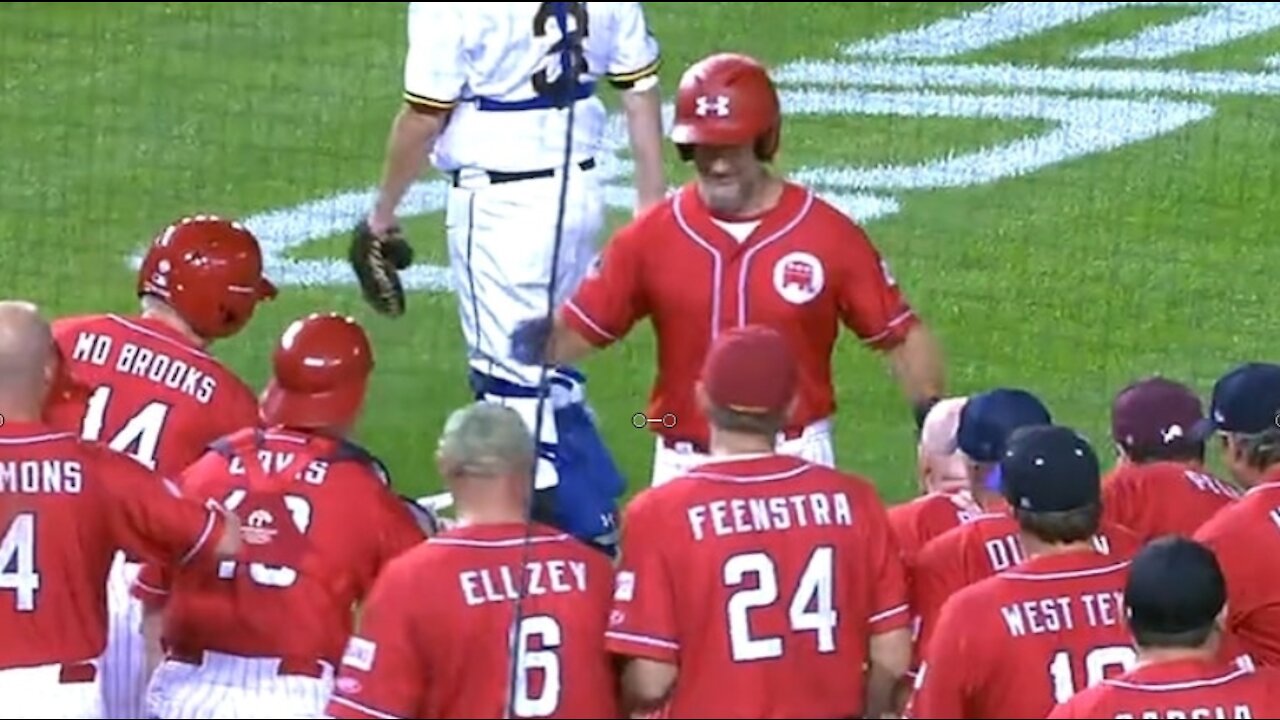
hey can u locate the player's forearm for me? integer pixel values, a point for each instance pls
(566, 346)
(413, 133)
(919, 366)
(152, 629)
(644, 124)
(890, 656)
(645, 684)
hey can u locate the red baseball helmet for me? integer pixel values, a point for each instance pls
(727, 99)
(319, 373)
(209, 270)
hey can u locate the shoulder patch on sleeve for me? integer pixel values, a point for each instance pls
(624, 589)
(360, 654)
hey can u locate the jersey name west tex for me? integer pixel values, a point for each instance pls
(804, 269)
(484, 60)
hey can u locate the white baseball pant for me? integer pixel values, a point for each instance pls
(500, 237)
(124, 664)
(40, 692)
(814, 444)
(234, 687)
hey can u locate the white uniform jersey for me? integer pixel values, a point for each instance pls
(497, 66)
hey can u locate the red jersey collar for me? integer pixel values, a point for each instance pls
(1084, 560)
(1153, 676)
(749, 468)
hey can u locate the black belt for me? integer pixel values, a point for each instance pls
(497, 177)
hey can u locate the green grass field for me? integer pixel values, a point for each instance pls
(1071, 201)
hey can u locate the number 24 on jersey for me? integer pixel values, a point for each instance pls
(810, 607)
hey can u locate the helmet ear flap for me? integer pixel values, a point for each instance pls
(767, 144)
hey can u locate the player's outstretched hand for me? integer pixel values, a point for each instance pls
(377, 260)
(529, 340)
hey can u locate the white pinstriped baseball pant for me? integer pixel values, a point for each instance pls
(39, 692)
(234, 687)
(814, 445)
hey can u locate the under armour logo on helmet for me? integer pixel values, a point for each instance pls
(712, 105)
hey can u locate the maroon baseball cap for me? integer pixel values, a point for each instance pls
(750, 370)
(1155, 412)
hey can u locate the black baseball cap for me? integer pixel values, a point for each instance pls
(1175, 585)
(1245, 400)
(989, 418)
(1050, 468)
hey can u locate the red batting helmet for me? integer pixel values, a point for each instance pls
(727, 99)
(319, 373)
(209, 270)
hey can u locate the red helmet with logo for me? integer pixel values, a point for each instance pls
(727, 99)
(319, 373)
(209, 270)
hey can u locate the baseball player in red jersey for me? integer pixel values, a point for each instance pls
(737, 246)
(262, 635)
(65, 507)
(1175, 603)
(947, 500)
(151, 389)
(1015, 645)
(436, 635)
(759, 585)
(1160, 485)
(1245, 536)
(990, 543)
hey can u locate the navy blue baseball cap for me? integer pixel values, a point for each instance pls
(1050, 468)
(1175, 586)
(1245, 400)
(988, 419)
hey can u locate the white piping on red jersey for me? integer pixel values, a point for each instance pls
(1184, 685)
(1066, 574)
(34, 439)
(902, 317)
(1273, 485)
(728, 477)
(141, 330)
(507, 543)
(718, 275)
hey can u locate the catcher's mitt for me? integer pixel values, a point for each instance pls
(377, 262)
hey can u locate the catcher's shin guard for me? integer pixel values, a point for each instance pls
(582, 499)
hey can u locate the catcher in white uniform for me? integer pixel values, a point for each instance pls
(498, 90)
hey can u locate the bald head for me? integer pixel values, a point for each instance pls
(26, 357)
(486, 440)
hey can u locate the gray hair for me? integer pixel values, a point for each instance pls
(1261, 450)
(487, 440)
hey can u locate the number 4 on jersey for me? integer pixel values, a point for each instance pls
(18, 562)
(140, 436)
(811, 609)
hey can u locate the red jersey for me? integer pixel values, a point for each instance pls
(1016, 644)
(1180, 689)
(986, 546)
(318, 526)
(1245, 537)
(1163, 498)
(153, 394)
(763, 578)
(434, 635)
(803, 270)
(65, 508)
(922, 519)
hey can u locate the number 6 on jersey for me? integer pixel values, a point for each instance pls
(811, 606)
